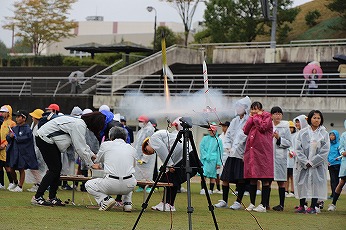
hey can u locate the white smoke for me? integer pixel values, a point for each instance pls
(213, 108)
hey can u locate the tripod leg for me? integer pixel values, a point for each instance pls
(204, 185)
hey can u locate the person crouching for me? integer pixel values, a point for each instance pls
(118, 159)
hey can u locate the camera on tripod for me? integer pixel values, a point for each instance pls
(186, 122)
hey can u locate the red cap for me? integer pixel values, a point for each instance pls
(54, 107)
(143, 118)
(212, 128)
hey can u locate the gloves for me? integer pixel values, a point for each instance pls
(141, 162)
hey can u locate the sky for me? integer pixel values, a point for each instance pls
(114, 10)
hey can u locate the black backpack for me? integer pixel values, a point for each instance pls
(46, 117)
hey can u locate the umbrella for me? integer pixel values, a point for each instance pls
(78, 74)
(309, 70)
(340, 58)
(315, 63)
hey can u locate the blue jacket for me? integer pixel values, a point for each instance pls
(334, 149)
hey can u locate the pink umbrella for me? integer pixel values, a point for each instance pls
(312, 69)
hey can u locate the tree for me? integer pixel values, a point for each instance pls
(170, 37)
(242, 20)
(186, 10)
(3, 50)
(311, 17)
(340, 7)
(41, 22)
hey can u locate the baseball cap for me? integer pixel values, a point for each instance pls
(4, 109)
(53, 107)
(122, 118)
(212, 127)
(143, 118)
(37, 113)
(22, 113)
(226, 123)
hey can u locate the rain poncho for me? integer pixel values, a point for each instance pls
(313, 148)
(334, 149)
(211, 150)
(291, 157)
(4, 131)
(342, 148)
(145, 170)
(281, 150)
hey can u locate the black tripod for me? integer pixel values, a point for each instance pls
(187, 138)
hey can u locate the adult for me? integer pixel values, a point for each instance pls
(75, 79)
(6, 113)
(258, 156)
(55, 137)
(281, 143)
(162, 142)
(119, 178)
(312, 156)
(235, 140)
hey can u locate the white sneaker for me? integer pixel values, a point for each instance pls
(33, 188)
(158, 206)
(11, 186)
(202, 192)
(221, 204)
(258, 192)
(2, 187)
(235, 206)
(235, 193)
(16, 189)
(127, 207)
(166, 208)
(331, 208)
(210, 192)
(318, 210)
(182, 189)
(250, 208)
(290, 195)
(107, 204)
(216, 191)
(260, 208)
(246, 193)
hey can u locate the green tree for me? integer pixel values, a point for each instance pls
(3, 50)
(170, 37)
(340, 7)
(41, 22)
(186, 10)
(311, 17)
(22, 46)
(242, 20)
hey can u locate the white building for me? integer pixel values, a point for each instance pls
(108, 32)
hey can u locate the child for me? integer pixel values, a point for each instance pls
(312, 155)
(342, 172)
(211, 150)
(334, 161)
(290, 161)
(21, 149)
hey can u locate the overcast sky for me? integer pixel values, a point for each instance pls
(114, 10)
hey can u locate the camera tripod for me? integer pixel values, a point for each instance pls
(186, 134)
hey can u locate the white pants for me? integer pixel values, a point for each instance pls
(102, 187)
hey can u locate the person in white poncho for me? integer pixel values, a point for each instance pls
(312, 157)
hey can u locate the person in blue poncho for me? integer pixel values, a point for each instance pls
(211, 150)
(21, 149)
(333, 160)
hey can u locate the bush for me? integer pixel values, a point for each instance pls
(311, 17)
(76, 61)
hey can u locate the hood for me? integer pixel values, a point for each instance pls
(302, 120)
(109, 116)
(282, 124)
(245, 103)
(9, 111)
(337, 137)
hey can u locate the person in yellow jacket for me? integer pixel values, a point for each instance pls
(6, 113)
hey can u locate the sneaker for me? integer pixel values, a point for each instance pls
(320, 204)
(278, 208)
(330, 197)
(221, 204)
(56, 202)
(235, 193)
(300, 209)
(250, 208)
(166, 208)
(118, 204)
(318, 210)
(17, 189)
(210, 192)
(147, 190)
(246, 193)
(310, 210)
(258, 192)
(40, 201)
(139, 189)
(2, 187)
(11, 186)
(127, 207)
(290, 195)
(260, 208)
(107, 203)
(182, 189)
(33, 188)
(66, 187)
(331, 208)
(202, 192)
(235, 206)
(158, 206)
(216, 191)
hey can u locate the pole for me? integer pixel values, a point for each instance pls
(274, 21)
(154, 33)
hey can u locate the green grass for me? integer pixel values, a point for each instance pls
(18, 213)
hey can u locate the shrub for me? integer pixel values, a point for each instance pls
(311, 17)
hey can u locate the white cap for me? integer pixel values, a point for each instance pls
(4, 109)
(104, 107)
(86, 111)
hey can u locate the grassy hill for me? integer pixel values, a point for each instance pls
(300, 31)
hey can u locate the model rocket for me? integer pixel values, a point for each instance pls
(166, 71)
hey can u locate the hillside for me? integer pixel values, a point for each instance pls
(321, 31)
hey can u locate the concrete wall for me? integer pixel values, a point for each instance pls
(281, 54)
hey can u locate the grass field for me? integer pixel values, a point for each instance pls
(18, 213)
